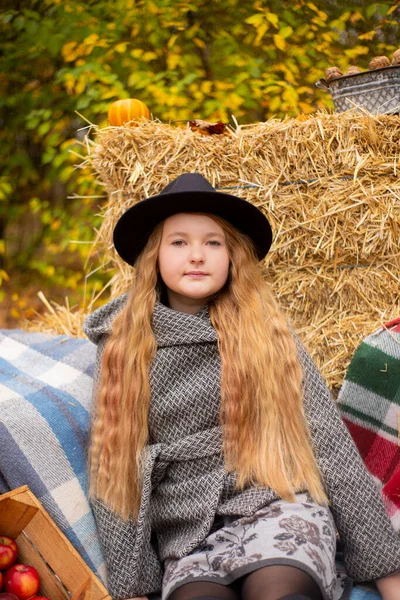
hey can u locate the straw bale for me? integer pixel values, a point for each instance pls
(329, 184)
(333, 308)
(327, 175)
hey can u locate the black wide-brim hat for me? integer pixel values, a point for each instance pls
(189, 192)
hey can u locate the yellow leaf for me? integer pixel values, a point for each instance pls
(367, 36)
(274, 103)
(191, 32)
(82, 49)
(15, 313)
(353, 53)
(2, 247)
(91, 39)
(172, 40)
(305, 89)
(152, 7)
(68, 51)
(288, 74)
(80, 86)
(356, 16)
(262, 30)
(137, 53)
(290, 95)
(255, 19)
(121, 48)
(148, 56)
(5, 275)
(273, 19)
(206, 87)
(50, 270)
(173, 61)
(69, 81)
(199, 43)
(279, 41)
(223, 85)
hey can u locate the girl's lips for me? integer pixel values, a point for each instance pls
(196, 275)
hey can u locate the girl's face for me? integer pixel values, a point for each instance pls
(192, 244)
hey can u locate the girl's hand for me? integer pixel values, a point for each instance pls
(389, 587)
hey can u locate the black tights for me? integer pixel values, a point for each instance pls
(279, 582)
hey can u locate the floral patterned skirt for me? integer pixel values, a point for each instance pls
(300, 534)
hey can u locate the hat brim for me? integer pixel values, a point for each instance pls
(134, 227)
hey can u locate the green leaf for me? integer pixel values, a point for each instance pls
(32, 27)
(19, 22)
(286, 32)
(7, 17)
(370, 10)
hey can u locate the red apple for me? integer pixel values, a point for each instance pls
(36, 598)
(6, 596)
(1, 580)
(22, 580)
(8, 552)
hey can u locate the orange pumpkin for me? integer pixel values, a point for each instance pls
(122, 111)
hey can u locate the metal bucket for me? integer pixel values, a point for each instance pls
(377, 91)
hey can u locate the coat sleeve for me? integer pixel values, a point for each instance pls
(129, 574)
(371, 546)
(133, 569)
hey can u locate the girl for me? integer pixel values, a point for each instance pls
(219, 465)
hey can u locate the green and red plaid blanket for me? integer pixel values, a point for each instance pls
(369, 401)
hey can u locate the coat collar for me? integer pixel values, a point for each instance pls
(174, 328)
(170, 327)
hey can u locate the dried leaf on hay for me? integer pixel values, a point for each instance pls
(207, 128)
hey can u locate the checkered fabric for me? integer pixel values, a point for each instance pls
(45, 395)
(359, 593)
(185, 485)
(370, 405)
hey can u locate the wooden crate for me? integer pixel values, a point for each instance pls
(63, 573)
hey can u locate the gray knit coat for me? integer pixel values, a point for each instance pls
(185, 485)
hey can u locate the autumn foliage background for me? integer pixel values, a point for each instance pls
(63, 62)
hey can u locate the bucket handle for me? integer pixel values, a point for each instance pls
(322, 84)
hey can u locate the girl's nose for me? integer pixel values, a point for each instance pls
(196, 255)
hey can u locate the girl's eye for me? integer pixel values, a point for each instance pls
(180, 242)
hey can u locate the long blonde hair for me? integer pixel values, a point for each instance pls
(266, 440)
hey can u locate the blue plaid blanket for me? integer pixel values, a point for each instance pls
(45, 397)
